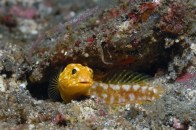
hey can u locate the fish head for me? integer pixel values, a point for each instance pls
(75, 79)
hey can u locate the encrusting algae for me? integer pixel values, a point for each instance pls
(116, 88)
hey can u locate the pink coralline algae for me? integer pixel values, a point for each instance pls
(187, 80)
(59, 119)
(173, 20)
(177, 125)
(186, 77)
(28, 13)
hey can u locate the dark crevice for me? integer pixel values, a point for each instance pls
(8, 73)
(38, 90)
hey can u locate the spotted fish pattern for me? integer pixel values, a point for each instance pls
(126, 93)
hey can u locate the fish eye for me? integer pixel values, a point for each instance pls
(74, 71)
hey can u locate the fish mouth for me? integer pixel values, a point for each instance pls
(85, 83)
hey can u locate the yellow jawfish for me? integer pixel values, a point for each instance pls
(116, 88)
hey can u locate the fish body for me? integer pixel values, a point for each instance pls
(121, 87)
(126, 93)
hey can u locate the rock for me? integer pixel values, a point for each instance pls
(2, 84)
(28, 26)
